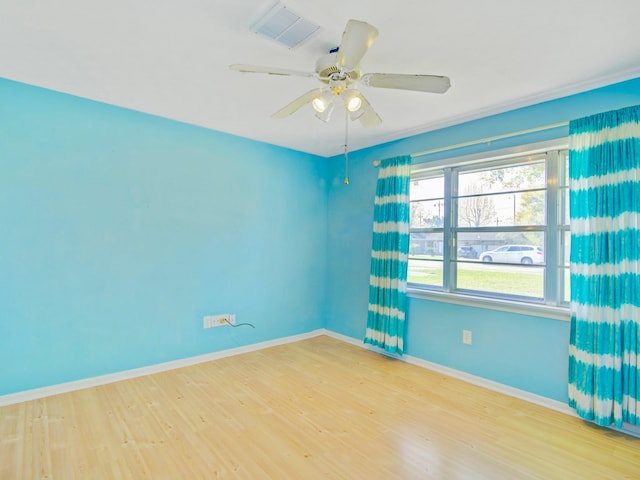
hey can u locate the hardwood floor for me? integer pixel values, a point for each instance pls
(319, 408)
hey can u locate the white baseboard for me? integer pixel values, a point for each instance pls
(467, 377)
(491, 385)
(37, 393)
(345, 339)
(483, 382)
(185, 362)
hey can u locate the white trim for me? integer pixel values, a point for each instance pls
(523, 102)
(43, 392)
(489, 140)
(522, 308)
(491, 385)
(507, 154)
(467, 377)
(483, 382)
(629, 429)
(345, 339)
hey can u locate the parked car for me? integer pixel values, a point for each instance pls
(467, 252)
(526, 254)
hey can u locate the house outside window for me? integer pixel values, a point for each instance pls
(492, 228)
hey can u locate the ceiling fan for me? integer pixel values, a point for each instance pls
(340, 75)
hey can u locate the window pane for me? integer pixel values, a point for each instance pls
(427, 213)
(491, 246)
(523, 208)
(426, 188)
(424, 245)
(507, 263)
(425, 272)
(425, 258)
(501, 279)
(503, 179)
(477, 211)
(427, 202)
(471, 244)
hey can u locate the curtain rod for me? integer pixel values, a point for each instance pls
(483, 140)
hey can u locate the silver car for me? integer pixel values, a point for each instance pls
(525, 254)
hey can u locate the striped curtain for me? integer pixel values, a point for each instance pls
(604, 183)
(389, 255)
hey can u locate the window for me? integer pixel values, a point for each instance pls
(493, 229)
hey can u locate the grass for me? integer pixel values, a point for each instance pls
(526, 281)
(530, 284)
(511, 283)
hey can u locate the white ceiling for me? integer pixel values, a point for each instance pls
(170, 58)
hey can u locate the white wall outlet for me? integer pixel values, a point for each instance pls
(466, 337)
(211, 321)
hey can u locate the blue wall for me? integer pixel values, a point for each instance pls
(525, 352)
(119, 231)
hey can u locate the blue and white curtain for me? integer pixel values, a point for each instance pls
(389, 256)
(604, 183)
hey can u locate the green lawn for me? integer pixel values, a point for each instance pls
(526, 282)
(512, 283)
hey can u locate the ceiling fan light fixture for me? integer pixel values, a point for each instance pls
(352, 100)
(322, 102)
(354, 104)
(319, 104)
(325, 116)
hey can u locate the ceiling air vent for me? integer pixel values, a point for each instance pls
(285, 27)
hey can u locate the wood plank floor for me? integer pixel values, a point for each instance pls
(319, 408)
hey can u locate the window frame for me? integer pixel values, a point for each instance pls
(553, 304)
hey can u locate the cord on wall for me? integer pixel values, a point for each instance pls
(239, 324)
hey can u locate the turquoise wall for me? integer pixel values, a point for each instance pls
(119, 231)
(525, 352)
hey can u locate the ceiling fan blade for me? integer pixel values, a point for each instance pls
(269, 70)
(357, 38)
(420, 83)
(369, 118)
(297, 104)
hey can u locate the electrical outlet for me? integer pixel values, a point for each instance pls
(466, 337)
(211, 321)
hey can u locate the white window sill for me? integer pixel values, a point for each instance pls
(541, 310)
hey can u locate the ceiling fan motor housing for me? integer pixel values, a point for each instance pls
(327, 65)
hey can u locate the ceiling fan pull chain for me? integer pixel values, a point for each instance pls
(346, 148)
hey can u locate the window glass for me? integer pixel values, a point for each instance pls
(503, 179)
(427, 202)
(502, 196)
(426, 244)
(426, 271)
(427, 213)
(488, 238)
(504, 280)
